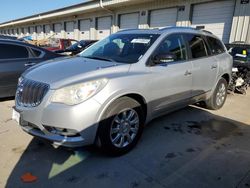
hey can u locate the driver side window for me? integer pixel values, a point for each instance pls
(173, 45)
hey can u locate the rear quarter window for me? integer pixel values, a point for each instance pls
(215, 45)
(36, 53)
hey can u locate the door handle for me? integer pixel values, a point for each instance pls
(213, 66)
(187, 73)
(29, 64)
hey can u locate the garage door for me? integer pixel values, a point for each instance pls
(57, 30)
(129, 21)
(47, 30)
(15, 32)
(163, 17)
(103, 27)
(32, 32)
(26, 31)
(69, 27)
(39, 30)
(84, 29)
(216, 17)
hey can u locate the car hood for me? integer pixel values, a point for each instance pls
(65, 71)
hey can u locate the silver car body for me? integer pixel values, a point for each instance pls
(186, 83)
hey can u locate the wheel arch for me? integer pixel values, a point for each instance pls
(133, 95)
(226, 76)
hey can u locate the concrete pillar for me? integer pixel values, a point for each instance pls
(93, 21)
(183, 15)
(143, 19)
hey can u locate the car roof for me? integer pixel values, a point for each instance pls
(167, 29)
(11, 41)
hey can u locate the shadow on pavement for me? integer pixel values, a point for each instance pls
(6, 99)
(188, 148)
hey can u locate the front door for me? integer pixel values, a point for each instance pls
(172, 80)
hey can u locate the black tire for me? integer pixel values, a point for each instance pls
(104, 138)
(212, 103)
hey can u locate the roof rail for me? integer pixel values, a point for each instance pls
(202, 28)
(207, 31)
(126, 30)
(169, 27)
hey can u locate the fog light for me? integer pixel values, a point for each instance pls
(62, 131)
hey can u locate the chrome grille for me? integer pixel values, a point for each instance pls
(30, 93)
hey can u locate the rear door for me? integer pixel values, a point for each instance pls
(205, 66)
(171, 83)
(14, 60)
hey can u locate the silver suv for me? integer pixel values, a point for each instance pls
(112, 89)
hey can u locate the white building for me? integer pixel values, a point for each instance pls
(96, 19)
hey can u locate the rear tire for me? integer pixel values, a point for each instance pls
(121, 127)
(219, 96)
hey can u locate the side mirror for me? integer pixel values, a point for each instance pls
(164, 58)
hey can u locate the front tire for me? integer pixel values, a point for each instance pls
(219, 95)
(121, 127)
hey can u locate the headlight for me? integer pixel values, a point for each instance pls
(75, 94)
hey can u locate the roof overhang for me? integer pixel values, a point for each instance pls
(87, 6)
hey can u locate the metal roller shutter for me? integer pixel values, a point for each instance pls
(57, 30)
(163, 17)
(103, 27)
(15, 32)
(26, 31)
(84, 29)
(32, 32)
(129, 21)
(216, 17)
(39, 30)
(69, 27)
(47, 30)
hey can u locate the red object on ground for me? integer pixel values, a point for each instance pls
(28, 178)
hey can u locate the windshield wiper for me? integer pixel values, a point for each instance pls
(99, 58)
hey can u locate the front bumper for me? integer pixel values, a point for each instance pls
(56, 139)
(41, 121)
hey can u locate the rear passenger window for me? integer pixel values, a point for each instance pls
(37, 53)
(215, 45)
(197, 46)
(9, 51)
(174, 44)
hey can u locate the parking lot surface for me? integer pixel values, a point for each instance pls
(192, 147)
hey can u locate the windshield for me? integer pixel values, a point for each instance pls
(124, 48)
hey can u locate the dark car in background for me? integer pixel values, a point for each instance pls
(240, 51)
(15, 58)
(8, 37)
(77, 47)
(53, 44)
